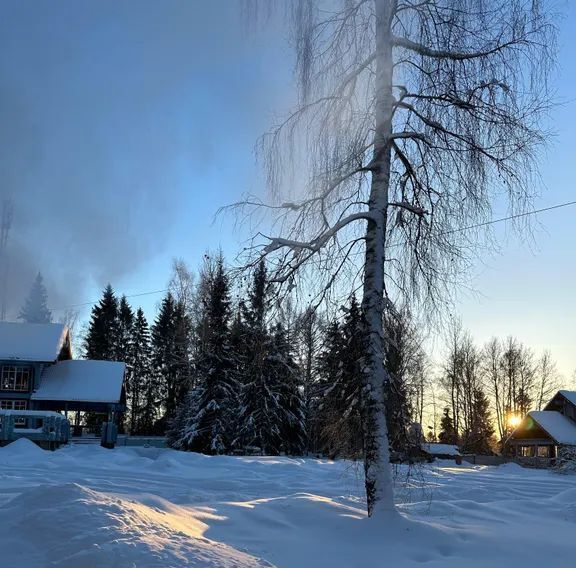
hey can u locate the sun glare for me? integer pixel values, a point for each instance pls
(514, 421)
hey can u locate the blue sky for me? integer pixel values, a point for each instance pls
(128, 124)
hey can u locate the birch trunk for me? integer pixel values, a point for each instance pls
(379, 490)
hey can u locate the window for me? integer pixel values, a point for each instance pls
(526, 451)
(543, 451)
(13, 405)
(15, 378)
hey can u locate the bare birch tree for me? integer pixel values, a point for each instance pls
(495, 378)
(413, 116)
(547, 379)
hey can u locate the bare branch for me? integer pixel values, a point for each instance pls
(319, 242)
(426, 51)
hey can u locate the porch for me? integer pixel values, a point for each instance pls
(537, 453)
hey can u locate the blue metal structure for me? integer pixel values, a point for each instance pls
(47, 429)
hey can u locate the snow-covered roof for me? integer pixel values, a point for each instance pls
(81, 380)
(41, 342)
(441, 449)
(562, 429)
(569, 395)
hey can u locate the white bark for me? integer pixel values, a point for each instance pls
(379, 487)
(465, 126)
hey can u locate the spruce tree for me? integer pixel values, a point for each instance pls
(398, 410)
(448, 434)
(171, 354)
(141, 386)
(163, 354)
(124, 344)
(259, 413)
(35, 309)
(204, 424)
(182, 358)
(306, 339)
(288, 381)
(478, 440)
(324, 407)
(125, 326)
(341, 367)
(271, 415)
(101, 342)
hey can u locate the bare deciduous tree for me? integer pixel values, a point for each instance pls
(547, 379)
(182, 284)
(413, 117)
(496, 381)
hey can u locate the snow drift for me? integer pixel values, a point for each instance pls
(87, 507)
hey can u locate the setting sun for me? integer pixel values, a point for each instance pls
(514, 421)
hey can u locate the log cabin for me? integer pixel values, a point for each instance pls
(548, 436)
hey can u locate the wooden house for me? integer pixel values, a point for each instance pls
(38, 373)
(546, 436)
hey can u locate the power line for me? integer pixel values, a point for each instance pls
(510, 217)
(468, 228)
(95, 302)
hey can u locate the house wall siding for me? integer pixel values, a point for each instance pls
(562, 405)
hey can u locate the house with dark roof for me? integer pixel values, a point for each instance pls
(546, 436)
(38, 373)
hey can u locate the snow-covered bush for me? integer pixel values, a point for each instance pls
(566, 460)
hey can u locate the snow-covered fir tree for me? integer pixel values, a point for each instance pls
(259, 412)
(124, 338)
(141, 384)
(398, 355)
(182, 358)
(306, 338)
(35, 309)
(124, 342)
(163, 348)
(322, 409)
(204, 422)
(271, 414)
(478, 439)
(448, 434)
(101, 341)
(340, 409)
(288, 378)
(170, 344)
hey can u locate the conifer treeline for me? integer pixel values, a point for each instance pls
(221, 376)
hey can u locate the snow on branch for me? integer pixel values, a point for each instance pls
(409, 207)
(316, 244)
(426, 51)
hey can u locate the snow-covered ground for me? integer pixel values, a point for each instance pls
(85, 506)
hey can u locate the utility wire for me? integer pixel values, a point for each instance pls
(511, 217)
(93, 303)
(468, 228)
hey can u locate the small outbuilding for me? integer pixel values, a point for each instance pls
(441, 451)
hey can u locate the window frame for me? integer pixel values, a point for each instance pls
(544, 452)
(16, 378)
(527, 451)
